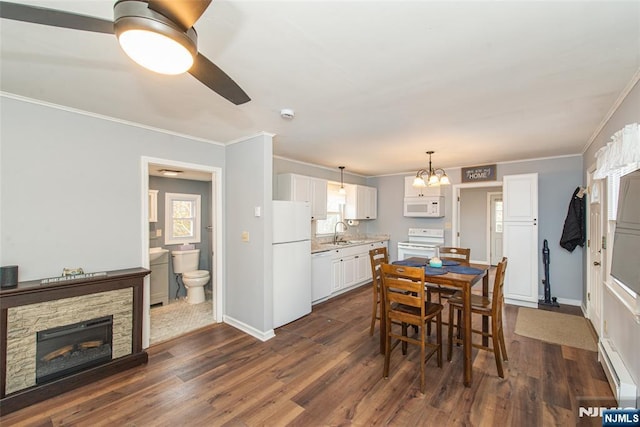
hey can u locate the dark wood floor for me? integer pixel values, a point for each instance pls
(325, 370)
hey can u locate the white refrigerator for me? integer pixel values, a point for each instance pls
(291, 261)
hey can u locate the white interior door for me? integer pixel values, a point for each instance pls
(520, 237)
(594, 242)
(495, 227)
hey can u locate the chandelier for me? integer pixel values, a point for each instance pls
(435, 177)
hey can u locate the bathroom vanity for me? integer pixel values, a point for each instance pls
(159, 288)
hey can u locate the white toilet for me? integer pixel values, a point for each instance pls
(186, 263)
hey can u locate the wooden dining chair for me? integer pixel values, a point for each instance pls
(485, 306)
(404, 293)
(461, 255)
(378, 256)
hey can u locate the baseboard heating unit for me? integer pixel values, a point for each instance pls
(622, 385)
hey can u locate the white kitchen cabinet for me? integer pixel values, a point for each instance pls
(300, 188)
(363, 267)
(411, 191)
(342, 273)
(348, 271)
(336, 274)
(343, 270)
(361, 202)
(520, 238)
(349, 267)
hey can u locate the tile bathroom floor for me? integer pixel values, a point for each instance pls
(179, 317)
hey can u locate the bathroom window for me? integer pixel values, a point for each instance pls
(182, 218)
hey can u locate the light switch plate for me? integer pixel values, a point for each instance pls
(245, 236)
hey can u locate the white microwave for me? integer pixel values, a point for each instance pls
(427, 206)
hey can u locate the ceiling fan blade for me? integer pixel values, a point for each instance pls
(217, 80)
(183, 12)
(54, 18)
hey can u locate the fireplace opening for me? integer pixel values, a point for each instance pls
(68, 349)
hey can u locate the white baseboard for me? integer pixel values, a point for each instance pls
(250, 330)
(521, 303)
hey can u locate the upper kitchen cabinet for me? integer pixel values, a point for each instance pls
(361, 202)
(300, 188)
(411, 191)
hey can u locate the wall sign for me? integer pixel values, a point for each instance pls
(479, 173)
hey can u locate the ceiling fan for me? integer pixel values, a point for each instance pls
(157, 34)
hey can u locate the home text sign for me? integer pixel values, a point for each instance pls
(479, 173)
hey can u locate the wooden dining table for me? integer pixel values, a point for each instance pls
(465, 282)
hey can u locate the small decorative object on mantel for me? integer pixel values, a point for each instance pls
(479, 173)
(8, 276)
(72, 271)
(69, 277)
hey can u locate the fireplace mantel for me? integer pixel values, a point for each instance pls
(33, 295)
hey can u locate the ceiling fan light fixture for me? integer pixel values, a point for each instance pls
(156, 52)
(152, 40)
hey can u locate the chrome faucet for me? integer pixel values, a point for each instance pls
(335, 231)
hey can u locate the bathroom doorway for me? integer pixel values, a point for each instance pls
(167, 311)
(471, 218)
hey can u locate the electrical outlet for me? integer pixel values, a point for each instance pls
(159, 232)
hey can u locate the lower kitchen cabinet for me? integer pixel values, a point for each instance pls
(349, 267)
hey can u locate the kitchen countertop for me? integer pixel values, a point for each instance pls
(329, 246)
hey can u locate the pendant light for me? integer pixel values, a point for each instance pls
(342, 190)
(435, 177)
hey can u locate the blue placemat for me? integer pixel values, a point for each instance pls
(462, 269)
(408, 263)
(433, 271)
(448, 262)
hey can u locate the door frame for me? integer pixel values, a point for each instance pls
(489, 222)
(593, 306)
(455, 211)
(216, 236)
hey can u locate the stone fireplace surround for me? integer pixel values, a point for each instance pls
(25, 321)
(32, 307)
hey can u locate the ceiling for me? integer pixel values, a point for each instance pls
(374, 84)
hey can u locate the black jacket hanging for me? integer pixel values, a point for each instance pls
(573, 233)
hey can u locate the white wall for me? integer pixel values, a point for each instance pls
(622, 328)
(71, 187)
(249, 285)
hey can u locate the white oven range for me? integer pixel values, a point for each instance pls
(422, 243)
